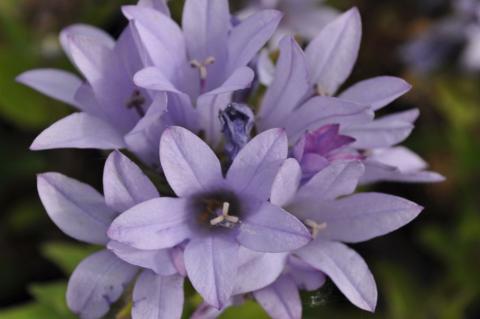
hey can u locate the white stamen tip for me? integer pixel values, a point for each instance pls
(217, 220)
(316, 227)
(226, 208)
(232, 219)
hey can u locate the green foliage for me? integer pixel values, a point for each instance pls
(66, 255)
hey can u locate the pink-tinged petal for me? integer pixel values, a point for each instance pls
(97, 283)
(271, 229)
(281, 300)
(79, 130)
(206, 25)
(338, 179)
(286, 183)
(158, 297)
(190, 166)
(56, 84)
(161, 37)
(322, 110)
(211, 264)
(364, 216)
(290, 85)
(124, 183)
(346, 268)
(99, 35)
(247, 38)
(333, 53)
(158, 261)
(257, 270)
(376, 171)
(159, 5)
(76, 208)
(305, 276)
(156, 224)
(376, 92)
(255, 167)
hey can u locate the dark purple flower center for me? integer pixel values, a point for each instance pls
(137, 102)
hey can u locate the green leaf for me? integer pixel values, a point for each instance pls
(30, 311)
(65, 255)
(52, 295)
(249, 309)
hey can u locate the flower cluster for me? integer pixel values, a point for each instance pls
(263, 195)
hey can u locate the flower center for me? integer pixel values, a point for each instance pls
(217, 210)
(315, 227)
(224, 219)
(202, 69)
(136, 102)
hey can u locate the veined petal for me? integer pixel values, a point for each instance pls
(211, 264)
(159, 261)
(97, 283)
(333, 53)
(346, 268)
(90, 31)
(255, 167)
(247, 38)
(305, 276)
(376, 92)
(240, 79)
(290, 85)
(257, 270)
(281, 300)
(76, 208)
(79, 130)
(153, 78)
(158, 297)
(286, 183)
(190, 166)
(124, 183)
(271, 229)
(56, 84)
(156, 224)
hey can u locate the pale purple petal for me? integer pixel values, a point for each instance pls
(79, 130)
(376, 92)
(346, 268)
(153, 78)
(99, 35)
(205, 311)
(190, 166)
(409, 116)
(241, 78)
(255, 167)
(56, 84)
(322, 110)
(158, 297)
(376, 171)
(247, 38)
(265, 68)
(156, 224)
(281, 300)
(76, 208)
(290, 85)
(333, 53)
(305, 276)
(211, 264)
(159, 5)
(159, 261)
(97, 283)
(271, 229)
(286, 183)
(124, 183)
(257, 270)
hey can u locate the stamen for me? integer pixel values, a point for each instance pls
(136, 102)
(202, 68)
(316, 227)
(230, 220)
(320, 90)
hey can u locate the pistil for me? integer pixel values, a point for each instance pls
(315, 227)
(202, 68)
(225, 217)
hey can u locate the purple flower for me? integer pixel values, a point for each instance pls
(299, 98)
(201, 64)
(99, 280)
(216, 214)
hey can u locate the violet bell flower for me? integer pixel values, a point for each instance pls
(100, 279)
(237, 122)
(216, 215)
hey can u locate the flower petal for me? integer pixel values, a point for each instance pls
(124, 183)
(79, 130)
(190, 166)
(56, 84)
(98, 34)
(211, 264)
(76, 208)
(98, 282)
(159, 261)
(271, 229)
(290, 85)
(377, 171)
(305, 276)
(156, 224)
(376, 92)
(158, 297)
(346, 268)
(247, 38)
(281, 300)
(333, 53)
(286, 183)
(256, 165)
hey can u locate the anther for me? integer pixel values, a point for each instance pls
(316, 227)
(225, 216)
(202, 66)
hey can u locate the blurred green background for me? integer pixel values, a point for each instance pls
(429, 269)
